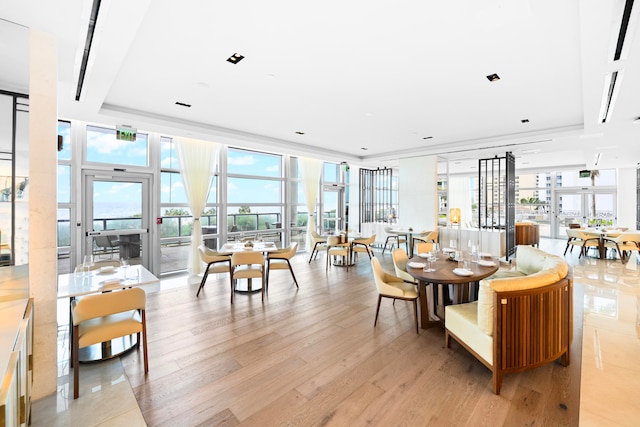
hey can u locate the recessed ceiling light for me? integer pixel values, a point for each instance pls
(235, 58)
(525, 120)
(364, 148)
(493, 77)
(427, 137)
(299, 133)
(182, 104)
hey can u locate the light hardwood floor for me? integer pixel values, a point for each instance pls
(312, 357)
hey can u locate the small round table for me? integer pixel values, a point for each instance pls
(444, 275)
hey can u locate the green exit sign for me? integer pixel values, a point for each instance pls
(126, 133)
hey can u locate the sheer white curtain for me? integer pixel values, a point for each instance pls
(460, 197)
(310, 172)
(197, 161)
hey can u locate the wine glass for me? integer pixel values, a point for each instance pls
(87, 264)
(427, 266)
(124, 263)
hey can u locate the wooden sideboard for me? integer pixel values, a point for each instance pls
(527, 233)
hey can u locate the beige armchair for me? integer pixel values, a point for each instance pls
(319, 244)
(424, 247)
(102, 317)
(577, 238)
(363, 245)
(280, 260)
(394, 237)
(624, 244)
(248, 265)
(390, 286)
(400, 260)
(217, 262)
(425, 237)
(337, 249)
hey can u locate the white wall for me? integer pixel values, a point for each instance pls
(418, 195)
(627, 197)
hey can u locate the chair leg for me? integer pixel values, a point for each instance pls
(204, 279)
(231, 281)
(415, 313)
(266, 284)
(293, 275)
(312, 252)
(76, 363)
(377, 310)
(144, 342)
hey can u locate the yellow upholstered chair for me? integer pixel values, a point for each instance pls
(624, 244)
(102, 317)
(363, 245)
(394, 237)
(427, 236)
(336, 248)
(424, 247)
(217, 262)
(390, 286)
(400, 260)
(319, 244)
(248, 265)
(280, 260)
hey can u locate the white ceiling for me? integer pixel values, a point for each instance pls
(360, 74)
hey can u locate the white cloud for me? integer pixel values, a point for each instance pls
(242, 161)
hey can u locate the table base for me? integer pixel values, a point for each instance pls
(248, 287)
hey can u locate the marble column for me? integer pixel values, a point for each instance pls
(43, 124)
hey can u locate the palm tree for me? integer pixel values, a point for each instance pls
(593, 175)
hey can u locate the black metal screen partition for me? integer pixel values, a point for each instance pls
(376, 195)
(496, 197)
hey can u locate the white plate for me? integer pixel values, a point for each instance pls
(484, 254)
(416, 264)
(462, 272)
(486, 263)
(111, 284)
(425, 255)
(447, 250)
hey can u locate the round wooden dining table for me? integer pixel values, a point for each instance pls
(442, 276)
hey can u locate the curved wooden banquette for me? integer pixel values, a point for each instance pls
(523, 317)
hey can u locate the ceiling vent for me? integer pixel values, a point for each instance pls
(235, 58)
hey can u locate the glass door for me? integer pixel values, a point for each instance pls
(116, 217)
(332, 209)
(587, 208)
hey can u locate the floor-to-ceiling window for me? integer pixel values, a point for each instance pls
(297, 206)
(255, 202)
(176, 216)
(252, 193)
(66, 212)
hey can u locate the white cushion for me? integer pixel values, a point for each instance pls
(461, 320)
(529, 260)
(485, 307)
